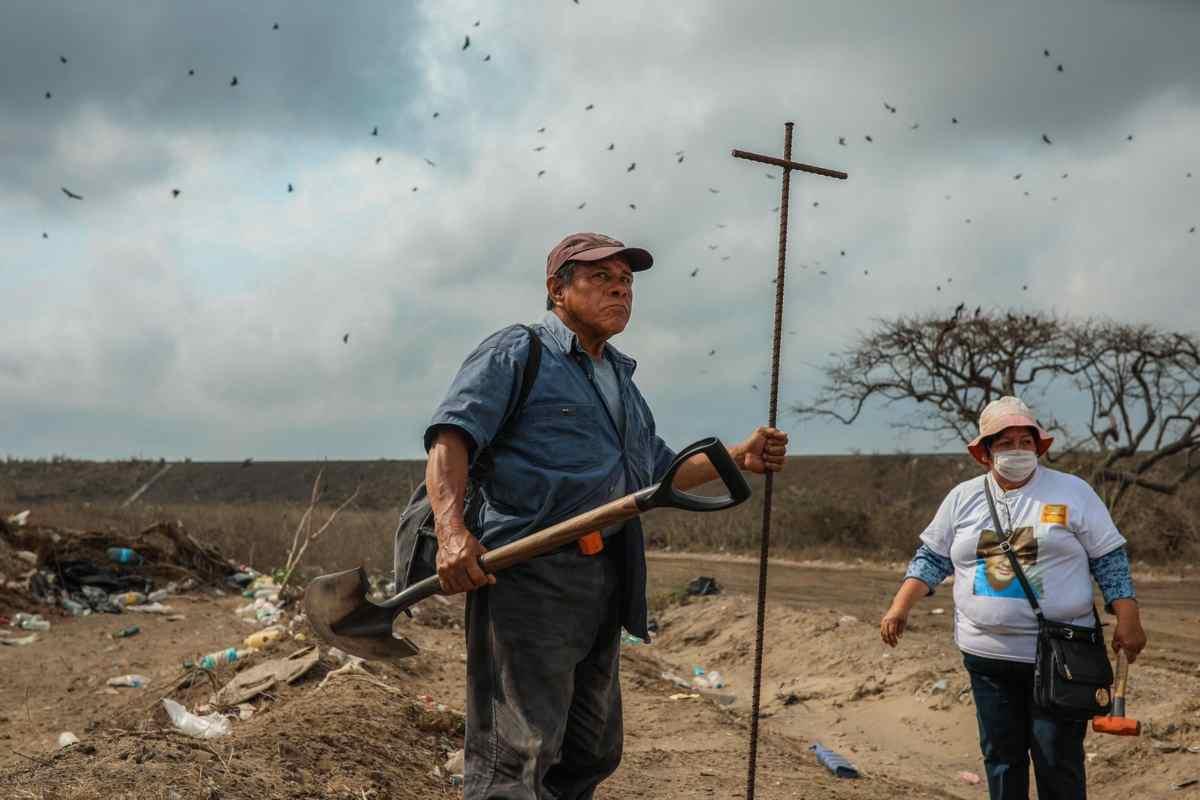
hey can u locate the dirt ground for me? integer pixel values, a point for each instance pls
(828, 678)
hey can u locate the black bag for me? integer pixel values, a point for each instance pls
(1072, 674)
(414, 549)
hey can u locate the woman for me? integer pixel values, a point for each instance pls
(1063, 536)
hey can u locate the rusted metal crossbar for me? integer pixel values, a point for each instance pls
(765, 541)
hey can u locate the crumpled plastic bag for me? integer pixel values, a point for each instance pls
(209, 726)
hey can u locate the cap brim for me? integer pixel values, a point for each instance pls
(638, 258)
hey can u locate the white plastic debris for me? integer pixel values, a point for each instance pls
(454, 764)
(150, 608)
(19, 520)
(206, 727)
(66, 739)
(28, 556)
(132, 681)
(847, 620)
(938, 611)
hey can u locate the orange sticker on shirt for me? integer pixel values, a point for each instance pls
(1054, 514)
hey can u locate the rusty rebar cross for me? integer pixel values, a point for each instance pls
(788, 166)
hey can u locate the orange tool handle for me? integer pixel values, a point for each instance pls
(591, 543)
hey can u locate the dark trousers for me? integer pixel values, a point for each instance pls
(1011, 729)
(543, 695)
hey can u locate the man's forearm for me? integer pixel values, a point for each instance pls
(698, 470)
(446, 477)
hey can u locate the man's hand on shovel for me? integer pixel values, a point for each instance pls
(458, 559)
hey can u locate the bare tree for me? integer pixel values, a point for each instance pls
(1143, 426)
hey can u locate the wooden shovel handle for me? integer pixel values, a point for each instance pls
(556, 536)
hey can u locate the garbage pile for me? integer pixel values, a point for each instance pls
(93, 572)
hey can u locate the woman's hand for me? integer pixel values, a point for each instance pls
(1129, 635)
(892, 626)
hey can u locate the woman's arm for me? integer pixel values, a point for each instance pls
(1114, 577)
(926, 570)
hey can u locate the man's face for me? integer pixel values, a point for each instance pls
(600, 296)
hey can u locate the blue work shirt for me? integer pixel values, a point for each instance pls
(562, 454)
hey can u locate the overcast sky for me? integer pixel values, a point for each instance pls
(210, 324)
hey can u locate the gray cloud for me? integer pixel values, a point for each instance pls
(210, 325)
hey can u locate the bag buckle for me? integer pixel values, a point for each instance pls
(1069, 634)
(1005, 546)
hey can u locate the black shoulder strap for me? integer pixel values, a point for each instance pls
(532, 364)
(1006, 548)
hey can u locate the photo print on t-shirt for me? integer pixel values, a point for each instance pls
(994, 576)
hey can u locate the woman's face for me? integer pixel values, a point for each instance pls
(997, 567)
(1013, 439)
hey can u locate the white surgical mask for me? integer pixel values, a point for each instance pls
(1015, 465)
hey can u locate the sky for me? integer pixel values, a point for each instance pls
(210, 325)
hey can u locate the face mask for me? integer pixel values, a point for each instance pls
(1015, 465)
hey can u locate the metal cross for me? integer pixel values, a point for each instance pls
(788, 166)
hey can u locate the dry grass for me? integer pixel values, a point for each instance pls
(830, 507)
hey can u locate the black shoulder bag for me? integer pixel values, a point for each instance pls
(1072, 674)
(415, 542)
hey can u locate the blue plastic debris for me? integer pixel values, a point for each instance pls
(834, 762)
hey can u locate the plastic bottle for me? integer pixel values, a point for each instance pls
(715, 681)
(132, 681)
(74, 607)
(36, 624)
(123, 555)
(257, 641)
(158, 596)
(132, 630)
(220, 657)
(128, 599)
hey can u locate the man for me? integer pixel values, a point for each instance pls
(543, 637)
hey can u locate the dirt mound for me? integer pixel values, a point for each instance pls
(354, 738)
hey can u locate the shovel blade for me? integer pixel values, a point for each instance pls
(342, 615)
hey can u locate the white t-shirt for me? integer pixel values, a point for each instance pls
(1060, 524)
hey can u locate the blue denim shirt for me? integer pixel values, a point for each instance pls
(561, 454)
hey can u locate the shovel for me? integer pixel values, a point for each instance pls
(342, 614)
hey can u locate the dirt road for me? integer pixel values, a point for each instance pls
(902, 716)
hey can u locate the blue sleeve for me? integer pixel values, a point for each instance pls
(484, 391)
(663, 456)
(1112, 573)
(929, 567)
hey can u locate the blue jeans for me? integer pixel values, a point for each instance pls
(1011, 728)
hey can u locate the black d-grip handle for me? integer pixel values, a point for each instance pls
(665, 495)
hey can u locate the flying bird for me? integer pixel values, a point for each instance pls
(714, 191)
(541, 172)
(48, 95)
(914, 126)
(1046, 139)
(346, 339)
(712, 352)
(275, 27)
(71, 194)
(1129, 138)
(45, 235)
(191, 72)
(466, 42)
(968, 220)
(754, 386)
(889, 108)
(539, 148)
(695, 271)
(819, 272)
(721, 225)
(610, 146)
(436, 114)
(375, 131)
(1017, 177)
(632, 166)
(770, 176)
(815, 204)
(1064, 175)
(843, 252)
(842, 141)
(581, 205)
(634, 207)
(430, 163)
(868, 138)
(713, 247)
(726, 258)
(476, 25)
(1046, 53)
(63, 59)
(415, 188)
(233, 82)
(679, 160)
(488, 57)
(954, 120)
(1024, 287)
(247, 462)
(542, 129)
(1192, 229)
(290, 188)
(378, 159)
(1060, 69)
(174, 193)
(589, 106)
